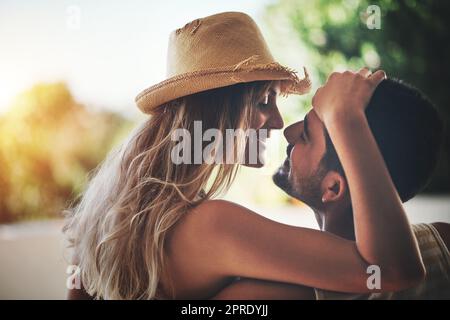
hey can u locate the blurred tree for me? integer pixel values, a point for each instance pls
(412, 44)
(48, 144)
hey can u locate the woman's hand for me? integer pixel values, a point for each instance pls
(345, 94)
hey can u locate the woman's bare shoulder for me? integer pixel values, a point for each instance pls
(207, 220)
(217, 214)
(209, 211)
(218, 204)
(200, 220)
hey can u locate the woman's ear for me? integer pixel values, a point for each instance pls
(334, 187)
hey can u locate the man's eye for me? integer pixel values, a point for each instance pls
(303, 136)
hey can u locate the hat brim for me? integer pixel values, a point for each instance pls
(198, 81)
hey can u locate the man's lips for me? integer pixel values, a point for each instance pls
(286, 167)
(289, 149)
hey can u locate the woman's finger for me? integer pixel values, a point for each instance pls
(365, 72)
(377, 77)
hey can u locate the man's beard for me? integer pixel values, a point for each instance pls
(306, 189)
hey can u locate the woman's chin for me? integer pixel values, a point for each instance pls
(254, 165)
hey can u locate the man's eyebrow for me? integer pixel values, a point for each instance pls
(305, 126)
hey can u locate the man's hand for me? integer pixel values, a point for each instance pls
(346, 93)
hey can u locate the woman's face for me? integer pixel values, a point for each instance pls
(265, 118)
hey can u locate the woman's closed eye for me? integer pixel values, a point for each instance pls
(264, 104)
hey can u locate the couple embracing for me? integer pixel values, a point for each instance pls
(147, 227)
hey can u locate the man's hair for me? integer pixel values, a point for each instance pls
(408, 131)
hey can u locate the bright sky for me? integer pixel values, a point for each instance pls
(107, 51)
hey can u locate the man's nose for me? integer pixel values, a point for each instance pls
(288, 133)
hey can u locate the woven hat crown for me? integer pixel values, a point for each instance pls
(218, 51)
(216, 41)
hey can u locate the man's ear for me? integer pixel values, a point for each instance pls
(334, 187)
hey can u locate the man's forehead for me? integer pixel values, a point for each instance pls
(313, 119)
(314, 123)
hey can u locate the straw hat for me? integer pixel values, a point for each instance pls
(218, 51)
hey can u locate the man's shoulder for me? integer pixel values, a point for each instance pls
(443, 229)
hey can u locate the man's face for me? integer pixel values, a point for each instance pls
(301, 173)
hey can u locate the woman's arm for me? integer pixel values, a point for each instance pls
(242, 243)
(254, 289)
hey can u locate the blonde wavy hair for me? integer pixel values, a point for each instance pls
(117, 227)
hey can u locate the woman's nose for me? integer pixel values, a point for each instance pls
(275, 120)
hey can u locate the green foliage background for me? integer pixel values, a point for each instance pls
(49, 142)
(412, 45)
(48, 145)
